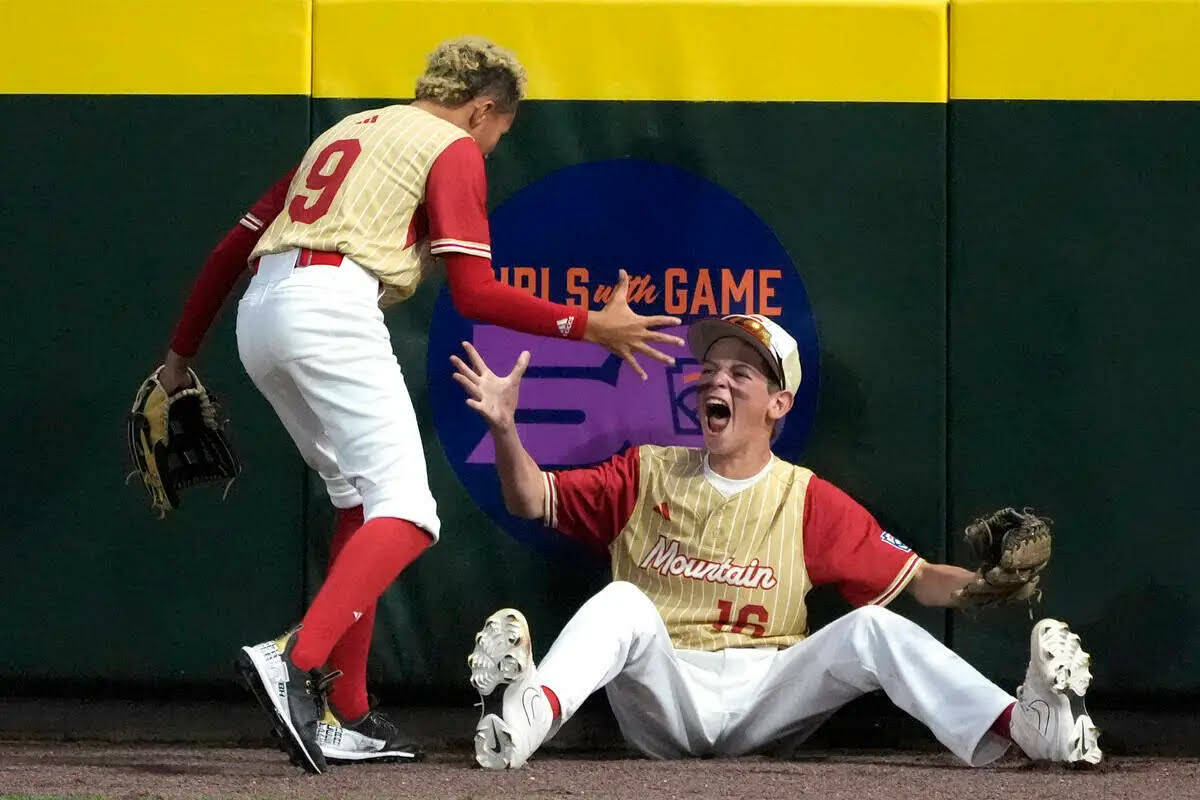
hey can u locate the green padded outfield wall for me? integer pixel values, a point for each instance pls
(1068, 179)
(828, 148)
(134, 136)
(1074, 385)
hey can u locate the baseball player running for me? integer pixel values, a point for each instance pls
(701, 641)
(355, 227)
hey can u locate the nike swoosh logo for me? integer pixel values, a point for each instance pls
(1044, 716)
(527, 704)
(495, 745)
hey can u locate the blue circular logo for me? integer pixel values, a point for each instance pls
(691, 249)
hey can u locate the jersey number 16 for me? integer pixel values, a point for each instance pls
(751, 619)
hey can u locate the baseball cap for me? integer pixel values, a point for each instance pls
(773, 343)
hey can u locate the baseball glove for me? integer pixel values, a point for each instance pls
(177, 441)
(1013, 547)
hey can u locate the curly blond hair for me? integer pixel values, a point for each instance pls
(468, 67)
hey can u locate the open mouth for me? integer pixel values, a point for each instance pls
(716, 414)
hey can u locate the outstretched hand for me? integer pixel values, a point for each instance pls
(623, 332)
(494, 397)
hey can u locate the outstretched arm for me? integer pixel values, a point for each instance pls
(935, 584)
(590, 505)
(455, 195)
(495, 398)
(479, 296)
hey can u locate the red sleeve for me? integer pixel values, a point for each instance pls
(456, 201)
(843, 544)
(592, 505)
(224, 266)
(479, 296)
(456, 204)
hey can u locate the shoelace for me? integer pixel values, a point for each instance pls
(324, 681)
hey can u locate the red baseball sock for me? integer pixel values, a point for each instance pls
(1001, 726)
(348, 694)
(348, 521)
(366, 565)
(552, 699)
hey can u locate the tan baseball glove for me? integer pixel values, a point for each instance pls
(1013, 547)
(177, 441)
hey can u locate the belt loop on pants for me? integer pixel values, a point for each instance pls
(310, 258)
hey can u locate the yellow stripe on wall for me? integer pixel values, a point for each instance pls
(1075, 50)
(881, 50)
(155, 47)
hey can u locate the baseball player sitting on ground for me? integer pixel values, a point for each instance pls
(701, 640)
(375, 202)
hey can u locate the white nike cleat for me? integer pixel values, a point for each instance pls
(516, 715)
(1050, 721)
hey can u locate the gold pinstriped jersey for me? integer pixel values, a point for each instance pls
(357, 190)
(726, 563)
(722, 571)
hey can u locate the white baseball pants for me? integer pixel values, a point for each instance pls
(674, 703)
(313, 341)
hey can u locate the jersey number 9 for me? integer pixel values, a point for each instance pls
(348, 151)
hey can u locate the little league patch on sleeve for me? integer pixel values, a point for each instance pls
(894, 542)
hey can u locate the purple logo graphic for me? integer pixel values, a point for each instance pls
(692, 250)
(578, 406)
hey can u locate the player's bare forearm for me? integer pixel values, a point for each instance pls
(935, 584)
(520, 476)
(495, 398)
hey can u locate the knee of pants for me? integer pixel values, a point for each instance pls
(632, 604)
(874, 622)
(415, 505)
(341, 493)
